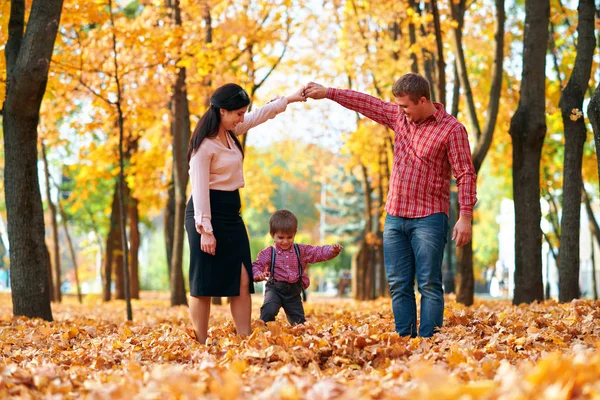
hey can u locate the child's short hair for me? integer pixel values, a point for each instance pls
(283, 221)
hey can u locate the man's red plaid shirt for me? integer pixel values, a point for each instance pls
(425, 155)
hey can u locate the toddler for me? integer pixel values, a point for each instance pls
(284, 266)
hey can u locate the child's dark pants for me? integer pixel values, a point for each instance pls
(283, 294)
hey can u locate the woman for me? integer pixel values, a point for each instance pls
(220, 263)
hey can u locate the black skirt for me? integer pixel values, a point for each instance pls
(219, 275)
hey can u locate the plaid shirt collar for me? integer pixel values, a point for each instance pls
(437, 116)
(280, 250)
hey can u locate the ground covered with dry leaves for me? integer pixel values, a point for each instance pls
(347, 350)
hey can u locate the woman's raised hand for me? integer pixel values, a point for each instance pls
(296, 96)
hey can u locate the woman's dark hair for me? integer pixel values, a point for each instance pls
(228, 97)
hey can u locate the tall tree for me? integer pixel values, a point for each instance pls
(180, 128)
(593, 111)
(28, 58)
(63, 217)
(571, 103)
(440, 87)
(595, 238)
(113, 242)
(528, 129)
(55, 269)
(121, 182)
(464, 255)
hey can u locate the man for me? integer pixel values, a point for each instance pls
(429, 144)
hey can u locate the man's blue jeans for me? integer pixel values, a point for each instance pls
(414, 247)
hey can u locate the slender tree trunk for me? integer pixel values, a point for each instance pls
(451, 280)
(180, 113)
(169, 221)
(595, 229)
(594, 277)
(134, 241)
(28, 58)
(412, 35)
(440, 87)
(113, 244)
(64, 219)
(384, 169)
(365, 267)
(528, 129)
(51, 270)
(462, 70)
(466, 281)
(119, 271)
(593, 111)
(208, 39)
(571, 102)
(122, 183)
(455, 92)
(594, 116)
(56, 271)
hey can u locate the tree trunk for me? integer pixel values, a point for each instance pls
(384, 181)
(593, 111)
(180, 128)
(134, 241)
(465, 276)
(27, 63)
(440, 86)
(113, 244)
(119, 271)
(595, 229)
(55, 265)
(571, 102)
(412, 34)
(63, 215)
(594, 116)
(462, 67)
(122, 184)
(169, 221)
(365, 257)
(465, 282)
(594, 277)
(208, 39)
(50, 265)
(455, 92)
(449, 266)
(528, 129)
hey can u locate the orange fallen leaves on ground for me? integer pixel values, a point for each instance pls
(346, 350)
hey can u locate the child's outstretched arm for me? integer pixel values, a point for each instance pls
(315, 254)
(261, 267)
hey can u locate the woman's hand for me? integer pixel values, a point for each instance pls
(296, 96)
(208, 243)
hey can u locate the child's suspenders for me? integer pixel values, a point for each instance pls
(297, 250)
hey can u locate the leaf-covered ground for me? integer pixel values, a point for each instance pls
(347, 350)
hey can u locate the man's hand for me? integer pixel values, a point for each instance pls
(462, 231)
(315, 91)
(261, 277)
(208, 243)
(336, 249)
